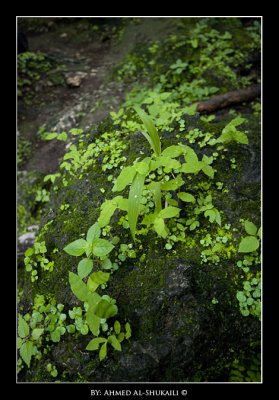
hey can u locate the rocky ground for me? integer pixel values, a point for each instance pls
(181, 303)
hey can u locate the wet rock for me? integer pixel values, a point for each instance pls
(25, 241)
(74, 79)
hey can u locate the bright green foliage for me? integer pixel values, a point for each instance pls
(23, 328)
(101, 247)
(52, 370)
(94, 343)
(248, 244)
(93, 232)
(35, 257)
(125, 178)
(153, 137)
(250, 228)
(113, 339)
(85, 267)
(134, 202)
(105, 309)
(46, 322)
(103, 351)
(169, 212)
(78, 287)
(96, 279)
(251, 243)
(54, 135)
(249, 297)
(26, 352)
(187, 197)
(231, 134)
(76, 248)
(114, 342)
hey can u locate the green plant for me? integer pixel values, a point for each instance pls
(55, 135)
(46, 323)
(42, 195)
(250, 243)
(249, 297)
(35, 258)
(231, 134)
(52, 370)
(98, 309)
(137, 174)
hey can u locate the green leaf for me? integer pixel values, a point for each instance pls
(93, 321)
(128, 330)
(85, 267)
(248, 244)
(78, 287)
(210, 214)
(103, 351)
(250, 228)
(96, 279)
(153, 139)
(142, 167)
(23, 328)
(233, 124)
(157, 196)
(208, 170)
(55, 335)
(217, 217)
(106, 263)
(190, 110)
(94, 343)
(93, 299)
(241, 297)
(191, 168)
(29, 252)
(62, 136)
(76, 248)
(230, 134)
(169, 212)
(173, 184)
(120, 337)
(50, 136)
(160, 228)
(173, 151)
(36, 333)
(26, 352)
(107, 210)
(102, 247)
(134, 202)
(104, 309)
(114, 342)
(93, 232)
(192, 164)
(187, 197)
(125, 178)
(259, 234)
(117, 327)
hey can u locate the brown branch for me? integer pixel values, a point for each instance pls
(229, 99)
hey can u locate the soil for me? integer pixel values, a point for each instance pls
(59, 108)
